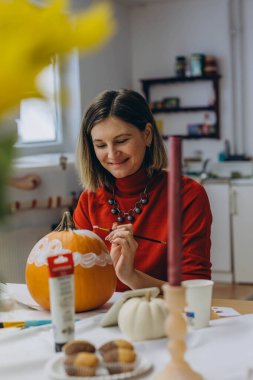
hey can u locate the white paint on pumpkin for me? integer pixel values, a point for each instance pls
(89, 234)
(45, 248)
(90, 259)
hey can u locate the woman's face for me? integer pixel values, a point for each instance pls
(119, 146)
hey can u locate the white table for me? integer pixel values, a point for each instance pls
(222, 351)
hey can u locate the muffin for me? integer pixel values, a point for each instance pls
(81, 364)
(115, 344)
(119, 360)
(75, 346)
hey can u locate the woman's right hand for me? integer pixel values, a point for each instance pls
(123, 251)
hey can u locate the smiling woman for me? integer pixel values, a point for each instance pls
(122, 160)
(112, 114)
(119, 146)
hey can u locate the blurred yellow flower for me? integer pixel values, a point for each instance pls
(32, 34)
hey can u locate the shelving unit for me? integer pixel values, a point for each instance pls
(214, 80)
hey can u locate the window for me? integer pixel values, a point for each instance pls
(39, 121)
(45, 125)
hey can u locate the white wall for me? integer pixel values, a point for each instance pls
(148, 39)
(110, 66)
(183, 27)
(247, 62)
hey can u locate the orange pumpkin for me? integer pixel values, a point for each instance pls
(94, 275)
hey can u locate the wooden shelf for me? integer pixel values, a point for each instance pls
(166, 80)
(215, 108)
(192, 137)
(183, 109)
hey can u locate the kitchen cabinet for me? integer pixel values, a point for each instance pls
(242, 214)
(221, 256)
(147, 85)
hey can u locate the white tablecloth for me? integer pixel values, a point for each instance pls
(223, 351)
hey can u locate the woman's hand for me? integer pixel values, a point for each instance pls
(123, 250)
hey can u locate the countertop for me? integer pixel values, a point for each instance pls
(223, 180)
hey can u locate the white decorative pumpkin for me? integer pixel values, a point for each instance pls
(142, 318)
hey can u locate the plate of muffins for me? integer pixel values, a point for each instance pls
(113, 360)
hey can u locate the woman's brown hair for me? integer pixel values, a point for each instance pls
(131, 107)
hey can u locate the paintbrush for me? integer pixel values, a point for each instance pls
(136, 236)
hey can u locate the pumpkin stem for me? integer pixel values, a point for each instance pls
(66, 223)
(148, 296)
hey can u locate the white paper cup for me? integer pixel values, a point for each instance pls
(198, 298)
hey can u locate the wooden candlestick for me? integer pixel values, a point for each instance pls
(174, 294)
(174, 206)
(176, 329)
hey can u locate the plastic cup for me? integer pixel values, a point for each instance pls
(198, 298)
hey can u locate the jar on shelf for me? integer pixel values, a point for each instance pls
(197, 64)
(156, 105)
(171, 103)
(180, 66)
(211, 66)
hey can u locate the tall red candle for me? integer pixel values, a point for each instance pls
(174, 207)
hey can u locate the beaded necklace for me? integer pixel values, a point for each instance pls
(136, 209)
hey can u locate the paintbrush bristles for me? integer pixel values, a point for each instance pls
(102, 228)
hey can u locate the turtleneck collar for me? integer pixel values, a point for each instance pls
(132, 184)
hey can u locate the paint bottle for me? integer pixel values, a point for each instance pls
(62, 305)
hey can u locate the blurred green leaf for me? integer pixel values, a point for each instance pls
(7, 142)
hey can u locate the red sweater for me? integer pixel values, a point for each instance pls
(93, 210)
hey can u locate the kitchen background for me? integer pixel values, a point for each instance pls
(151, 34)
